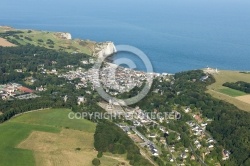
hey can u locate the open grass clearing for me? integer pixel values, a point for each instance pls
(56, 118)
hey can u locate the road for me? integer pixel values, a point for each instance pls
(147, 157)
(200, 159)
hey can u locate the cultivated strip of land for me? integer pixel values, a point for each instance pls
(235, 97)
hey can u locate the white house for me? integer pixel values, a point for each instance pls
(225, 154)
(187, 110)
(81, 100)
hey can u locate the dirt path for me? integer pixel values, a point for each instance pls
(147, 157)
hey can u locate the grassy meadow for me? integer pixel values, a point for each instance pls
(49, 137)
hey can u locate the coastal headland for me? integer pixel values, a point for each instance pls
(61, 41)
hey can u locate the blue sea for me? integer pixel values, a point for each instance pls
(176, 35)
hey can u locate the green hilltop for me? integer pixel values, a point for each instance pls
(51, 40)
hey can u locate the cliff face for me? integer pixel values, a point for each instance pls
(104, 49)
(65, 35)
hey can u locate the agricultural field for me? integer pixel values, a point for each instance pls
(48, 138)
(232, 92)
(238, 98)
(44, 38)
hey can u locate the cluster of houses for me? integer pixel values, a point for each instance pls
(14, 90)
(121, 79)
(74, 74)
(53, 71)
(197, 129)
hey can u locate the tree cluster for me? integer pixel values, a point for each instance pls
(110, 138)
(240, 85)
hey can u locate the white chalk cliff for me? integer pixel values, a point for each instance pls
(105, 49)
(65, 35)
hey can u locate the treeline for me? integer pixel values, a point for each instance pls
(12, 108)
(240, 85)
(110, 138)
(10, 33)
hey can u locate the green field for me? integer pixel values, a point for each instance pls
(57, 118)
(11, 135)
(19, 128)
(49, 137)
(232, 92)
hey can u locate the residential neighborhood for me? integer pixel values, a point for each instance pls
(113, 79)
(157, 140)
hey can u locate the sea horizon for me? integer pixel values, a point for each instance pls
(175, 36)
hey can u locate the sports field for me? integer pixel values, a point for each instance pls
(48, 138)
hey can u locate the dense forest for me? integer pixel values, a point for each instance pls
(110, 138)
(240, 85)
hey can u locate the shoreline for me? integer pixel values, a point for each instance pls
(100, 48)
